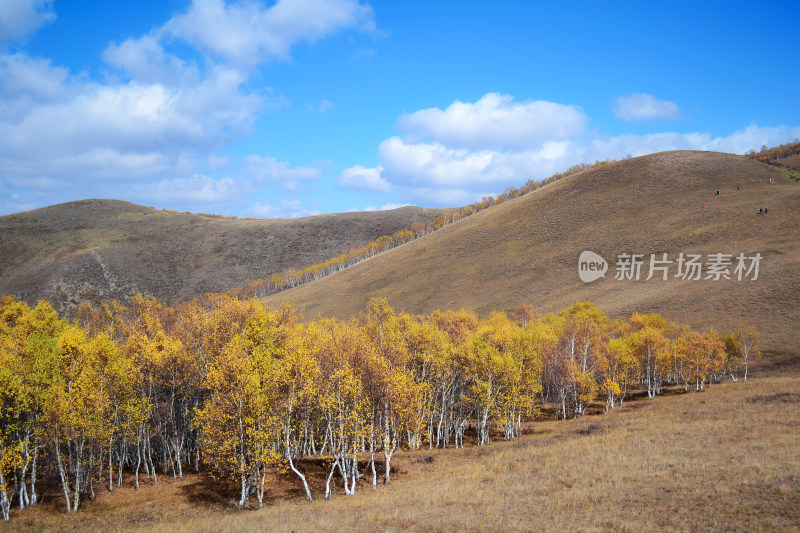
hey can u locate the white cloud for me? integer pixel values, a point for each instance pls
(32, 79)
(425, 165)
(321, 106)
(495, 121)
(446, 172)
(286, 209)
(197, 189)
(18, 18)
(215, 161)
(145, 60)
(384, 207)
(366, 179)
(266, 168)
(247, 33)
(158, 118)
(637, 107)
(294, 209)
(65, 128)
(751, 137)
(389, 207)
(262, 210)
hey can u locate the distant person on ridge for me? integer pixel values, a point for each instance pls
(761, 211)
(765, 210)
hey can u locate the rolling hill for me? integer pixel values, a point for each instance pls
(92, 249)
(526, 250)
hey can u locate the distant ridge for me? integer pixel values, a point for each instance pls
(92, 249)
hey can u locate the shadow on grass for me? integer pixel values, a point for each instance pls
(206, 491)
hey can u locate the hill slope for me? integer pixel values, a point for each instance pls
(108, 248)
(527, 249)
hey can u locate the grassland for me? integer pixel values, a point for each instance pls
(724, 459)
(526, 250)
(94, 249)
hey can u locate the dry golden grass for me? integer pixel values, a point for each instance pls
(527, 250)
(724, 459)
(171, 256)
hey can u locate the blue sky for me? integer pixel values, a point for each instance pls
(299, 107)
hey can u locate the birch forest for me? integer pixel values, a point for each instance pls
(230, 386)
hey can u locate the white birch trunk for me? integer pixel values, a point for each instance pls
(62, 474)
(34, 498)
(299, 474)
(388, 456)
(372, 463)
(328, 493)
(110, 465)
(5, 504)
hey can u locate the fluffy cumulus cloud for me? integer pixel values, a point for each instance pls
(152, 124)
(365, 179)
(638, 107)
(457, 155)
(26, 83)
(145, 60)
(454, 155)
(438, 165)
(495, 121)
(18, 18)
(467, 150)
(247, 33)
(54, 125)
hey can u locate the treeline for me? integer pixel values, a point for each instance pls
(238, 388)
(770, 155)
(293, 277)
(207, 215)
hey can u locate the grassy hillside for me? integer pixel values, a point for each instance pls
(526, 250)
(107, 248)
(792, 162)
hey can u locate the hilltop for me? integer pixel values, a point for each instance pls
(93, 249)
(526, 250)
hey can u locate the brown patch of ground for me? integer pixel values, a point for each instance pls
(792, 162)
(783, 397)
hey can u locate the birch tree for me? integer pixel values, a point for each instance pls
(239, 427)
